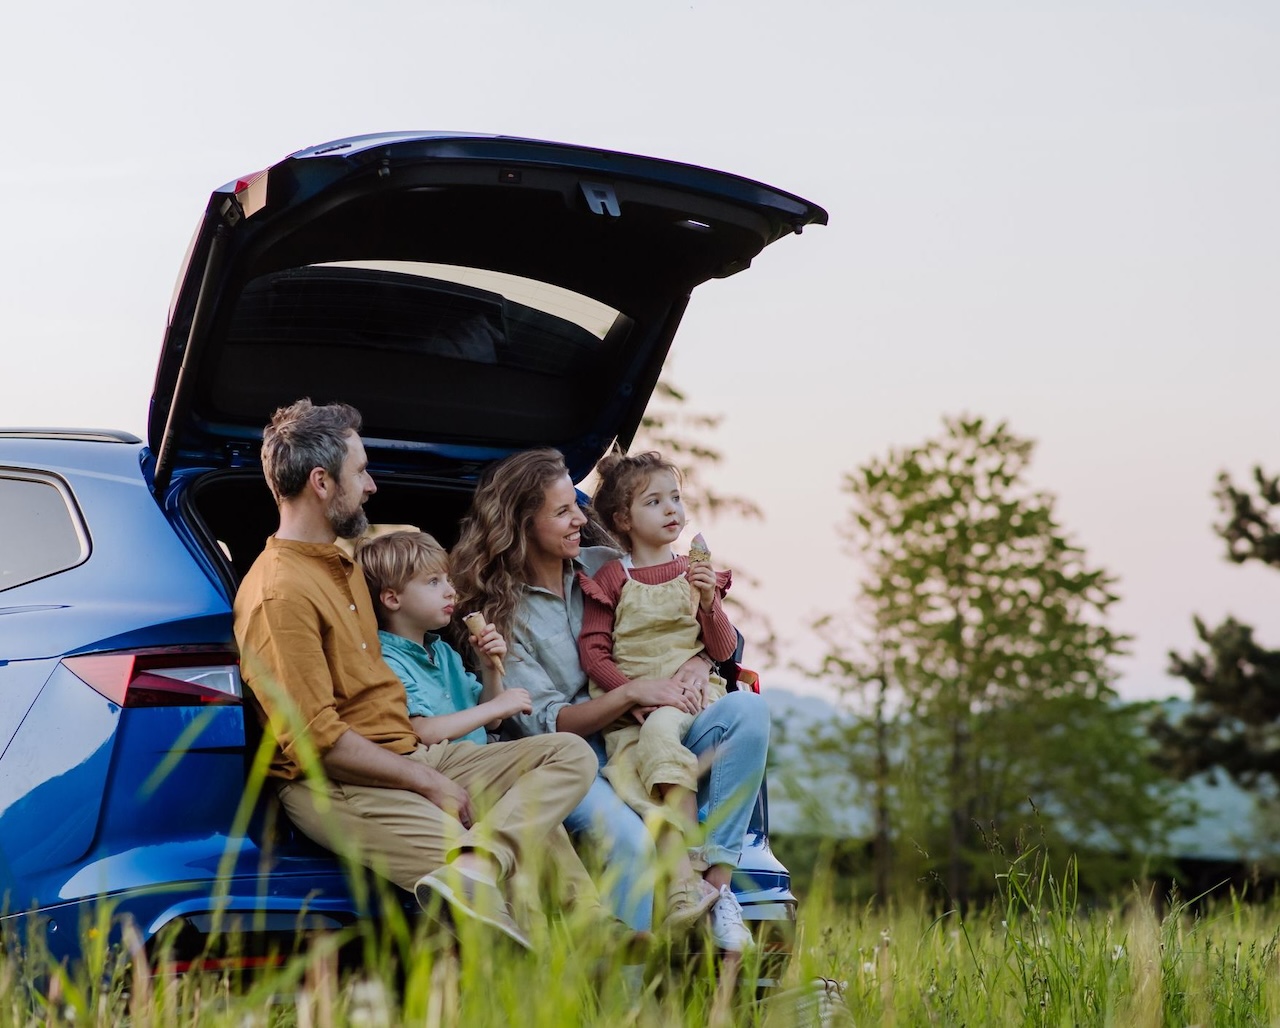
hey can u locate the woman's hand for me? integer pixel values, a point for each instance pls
(696, 671)
(695, 676)
(702, 576)
(664, 692)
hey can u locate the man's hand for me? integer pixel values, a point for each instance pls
(355, 759)
(449, 796)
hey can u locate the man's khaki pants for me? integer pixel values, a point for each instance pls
(521, 792)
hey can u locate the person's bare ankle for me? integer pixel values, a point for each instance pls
(476, 865)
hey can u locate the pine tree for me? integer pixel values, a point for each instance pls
(1234, 721)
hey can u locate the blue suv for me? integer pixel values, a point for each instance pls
(472, 296)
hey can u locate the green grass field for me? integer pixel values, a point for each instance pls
(1032, 958)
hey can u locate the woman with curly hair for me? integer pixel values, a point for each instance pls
(517, 561)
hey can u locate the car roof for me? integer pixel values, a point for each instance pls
(87, 435)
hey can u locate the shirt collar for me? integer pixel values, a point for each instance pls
(589, 560)
(328, 551)
(400, 644)
(571, 568)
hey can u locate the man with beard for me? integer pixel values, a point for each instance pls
(450, 821)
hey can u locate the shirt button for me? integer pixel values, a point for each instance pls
(364, 646)
(353, 606)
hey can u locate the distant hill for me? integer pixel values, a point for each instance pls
(1222, 831)
(794, 716)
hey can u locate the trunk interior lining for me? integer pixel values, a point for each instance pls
(238, 513)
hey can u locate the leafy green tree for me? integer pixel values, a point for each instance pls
(988, 629)
(1234, 721)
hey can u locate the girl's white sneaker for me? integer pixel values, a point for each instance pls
(727, 930)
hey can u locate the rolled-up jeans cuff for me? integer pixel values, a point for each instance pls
(703, 857)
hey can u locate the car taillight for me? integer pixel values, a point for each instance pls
(161, 678)
(251, 192)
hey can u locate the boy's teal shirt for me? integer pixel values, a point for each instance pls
(435, 681)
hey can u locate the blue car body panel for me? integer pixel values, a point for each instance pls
(141, 586)
(20, 684)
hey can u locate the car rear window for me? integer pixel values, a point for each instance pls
(42, 532)
(497, 357)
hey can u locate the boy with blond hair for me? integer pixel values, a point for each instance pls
(408, 576)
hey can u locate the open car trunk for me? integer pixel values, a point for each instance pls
(470, 295)
(237, 514)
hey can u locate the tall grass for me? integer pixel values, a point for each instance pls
(1031, 958)
(409, 974)
(1036, 958)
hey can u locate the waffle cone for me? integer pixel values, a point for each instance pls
(475, 623)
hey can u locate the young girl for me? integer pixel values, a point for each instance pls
(643, 617)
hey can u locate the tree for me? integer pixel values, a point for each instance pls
(864, 747)
(990, 631)
(1234, 720)
(682, 436)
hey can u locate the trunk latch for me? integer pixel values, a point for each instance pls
(601, 199)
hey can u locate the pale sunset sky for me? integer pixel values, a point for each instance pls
(1060, 214)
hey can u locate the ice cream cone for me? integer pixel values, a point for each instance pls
(698, 553)
(476, 623)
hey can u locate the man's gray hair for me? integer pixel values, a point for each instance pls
(303, 436)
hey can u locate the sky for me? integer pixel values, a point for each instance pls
(1063, 215)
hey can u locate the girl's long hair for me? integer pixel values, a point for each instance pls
(490, 563)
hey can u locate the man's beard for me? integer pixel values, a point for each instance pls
(347, 524)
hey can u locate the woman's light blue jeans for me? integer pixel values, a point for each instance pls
(735, 730)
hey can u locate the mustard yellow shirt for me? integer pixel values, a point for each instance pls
(309, 652)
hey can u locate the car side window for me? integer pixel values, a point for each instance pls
(41, 532)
